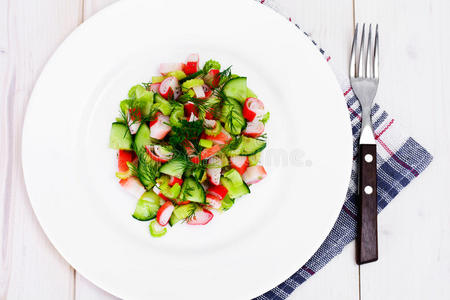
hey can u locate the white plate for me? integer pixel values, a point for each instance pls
(266, 236)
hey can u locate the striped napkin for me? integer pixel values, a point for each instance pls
(400, 159)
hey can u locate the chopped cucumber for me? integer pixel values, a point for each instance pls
(198, 73)
(120, 137)
(178, 74)
(147, 206)
(253, 160)
(176, 115)
(232, 181)
(226, 203)
(235, 191)
(232, 116)
(163, 105)
(142, 137)
(170, 192)
(192, 191)
(174, 167)
(157, 230)
(236, 88)
(188, 84)
(251, 146)
(224, 159)
(182, 212)
(214, 131)
(205, 143)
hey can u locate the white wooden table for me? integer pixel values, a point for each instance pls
(414, 231)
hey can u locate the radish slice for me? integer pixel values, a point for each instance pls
(133, 126)
(164, 213)
(201, 217)
(239, 163)
(199, 92)
(221, 139)
(133, 186)
(191, 64)
(170, 88)
(214, 171)
(254, 174)
(253, 109)
(213, 201)
(207, 91)
(165, 68)
(160, 128)
(254, 129)
(220, 191)
(173, 180)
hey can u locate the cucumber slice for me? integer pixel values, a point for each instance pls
(227, 203)
(147, 206)
(233, 182)
(205, 143)
(174, 167)
(120, 137)
(157, 230)
(232, 116)
(182, 212)
(236, 88)
(235, 191)
(142, 137)
(251, 146)
(170, 192)
(176, 115)
(163, 105)
(246, 146)
(192, 191)
(253, 160)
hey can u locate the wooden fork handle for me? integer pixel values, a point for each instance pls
(367, 250)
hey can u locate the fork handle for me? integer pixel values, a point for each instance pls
(367, 235)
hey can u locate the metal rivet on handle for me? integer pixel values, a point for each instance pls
(368, 190)
(368, 158)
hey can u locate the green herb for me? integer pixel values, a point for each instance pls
(147, 170)
(191, 213)
(225, 75)
(211, 64)
(190, 131)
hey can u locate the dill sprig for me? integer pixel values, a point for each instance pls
(146, 85)
(190, 131)
(191, 213)
(147, 170)
(225, 75)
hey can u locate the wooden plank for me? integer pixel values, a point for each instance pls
(330, 23)
(414, 239)
(30, 31)
(93, 6)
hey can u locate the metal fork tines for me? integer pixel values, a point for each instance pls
(364, 80)
(364, 74)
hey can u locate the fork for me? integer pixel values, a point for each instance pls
(364, 63)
